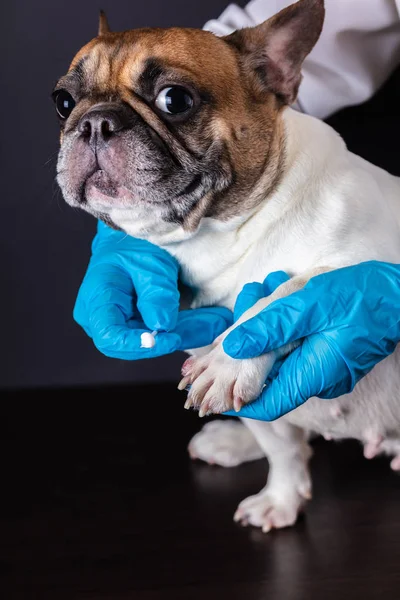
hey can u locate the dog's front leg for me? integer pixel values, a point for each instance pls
(289, 482)
(218, 382)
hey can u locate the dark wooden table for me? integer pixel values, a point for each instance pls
(99, 500)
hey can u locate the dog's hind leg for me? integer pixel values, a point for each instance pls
(226, 443)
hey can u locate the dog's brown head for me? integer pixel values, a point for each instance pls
(179, 123)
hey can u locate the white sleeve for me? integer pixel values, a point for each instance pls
(359, 48)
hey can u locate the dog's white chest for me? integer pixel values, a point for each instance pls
(218, 266)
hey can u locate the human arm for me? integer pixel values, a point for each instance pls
(346, 320)
(130, 287)
(358, 49)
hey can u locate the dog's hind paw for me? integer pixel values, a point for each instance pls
(225, 443)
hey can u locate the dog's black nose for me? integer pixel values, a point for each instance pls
(99, 125)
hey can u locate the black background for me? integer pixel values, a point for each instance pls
(44, 244)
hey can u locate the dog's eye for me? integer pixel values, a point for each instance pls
(64, 103)
(174, 100)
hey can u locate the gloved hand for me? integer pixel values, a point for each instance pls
(130, 287)
(348, 321)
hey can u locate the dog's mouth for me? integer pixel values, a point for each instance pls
(100, 190)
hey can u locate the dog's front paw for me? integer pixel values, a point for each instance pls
(219, 383)
(267, 511)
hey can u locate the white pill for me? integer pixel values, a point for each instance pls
(147, 340)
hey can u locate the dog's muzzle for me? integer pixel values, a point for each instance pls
(102, 122)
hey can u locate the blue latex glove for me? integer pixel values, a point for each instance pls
(130, 287)
(348, 321)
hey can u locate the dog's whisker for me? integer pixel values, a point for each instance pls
(51, 158)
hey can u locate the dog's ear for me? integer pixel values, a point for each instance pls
(103, 24)
(275, 50)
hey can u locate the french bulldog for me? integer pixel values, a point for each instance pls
(188, 140)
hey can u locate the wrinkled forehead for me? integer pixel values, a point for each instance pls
(133, 59)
